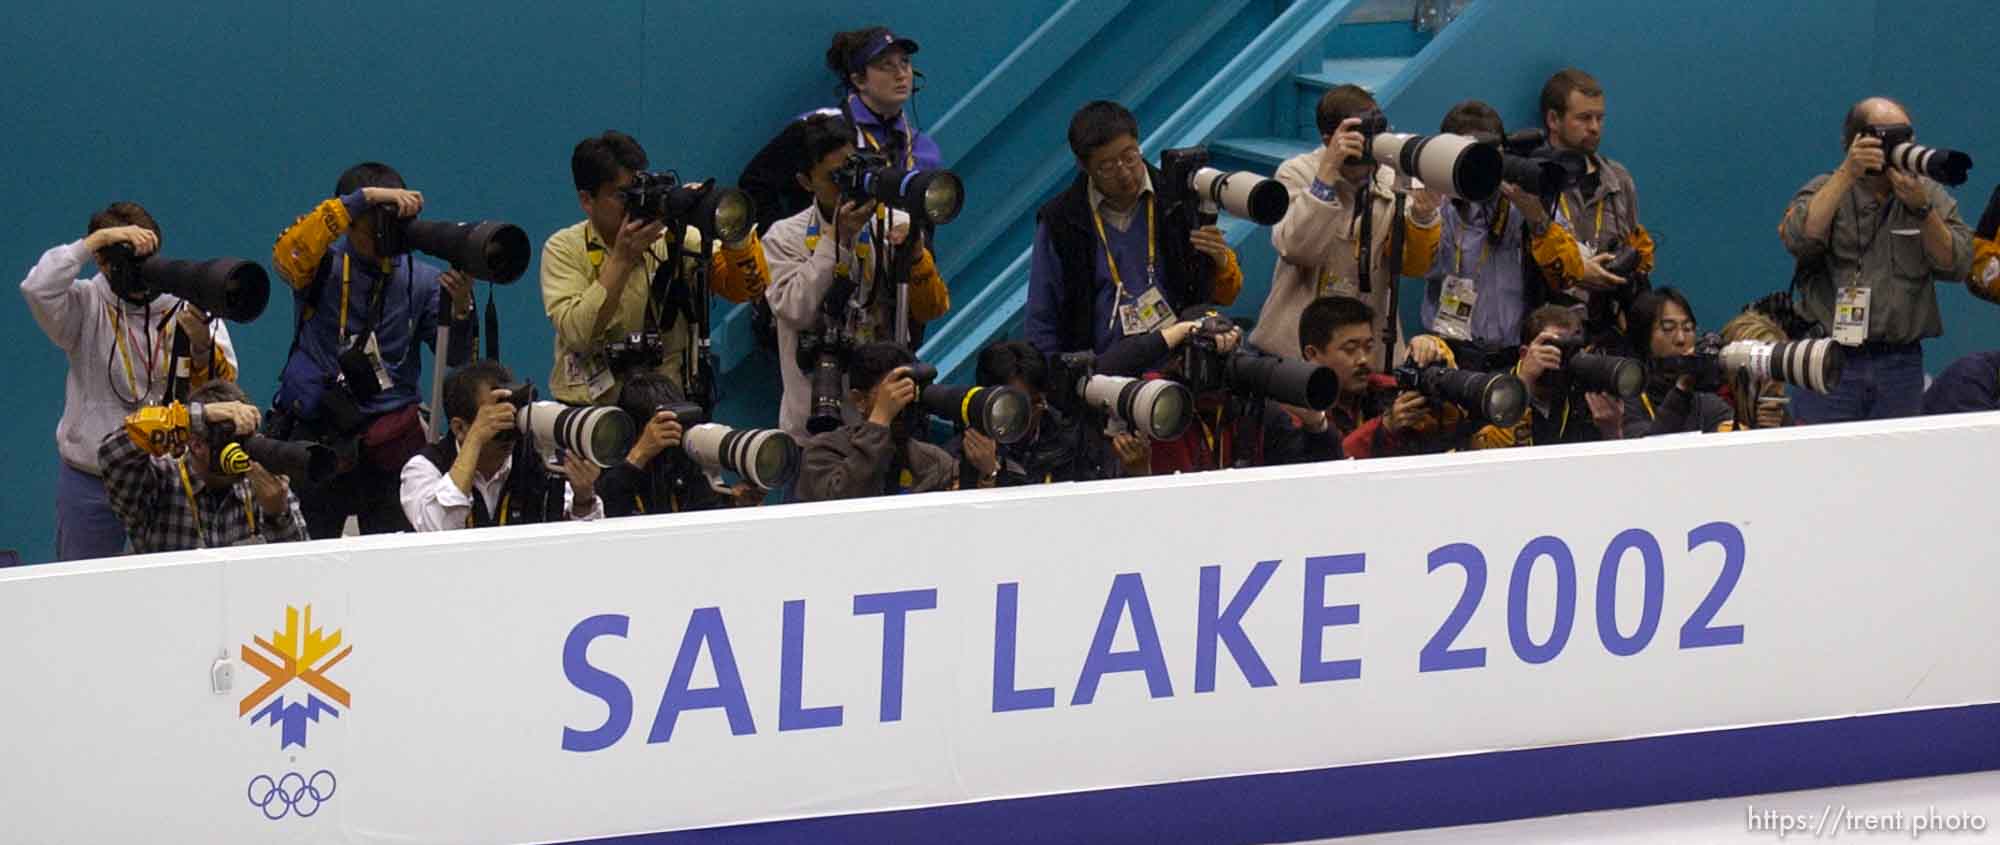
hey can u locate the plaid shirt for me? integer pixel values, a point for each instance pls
(147, 495)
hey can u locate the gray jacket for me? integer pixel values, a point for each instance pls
(852, 462)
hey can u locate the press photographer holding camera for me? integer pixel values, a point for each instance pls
(121, 341)
(1374, 416)
(1337, 192)
(1575, 393)
(1872, 238)
(878, 455)
(364, 307)
(1499, 258)
(485, 471)
(616, 307)
(1107, 264)
(1661, 322)
(657, 476)
(825, 279)
(1062, 444)
(197, 499)
(1600, 207)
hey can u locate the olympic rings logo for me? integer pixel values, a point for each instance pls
(292, 793)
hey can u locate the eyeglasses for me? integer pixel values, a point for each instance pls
(1129, 159)
(1676, 326)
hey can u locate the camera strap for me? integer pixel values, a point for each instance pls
(1364, 244)
(194, 507)
(1596, 226)
(122, 342)
(1111, 261)
(376, 306)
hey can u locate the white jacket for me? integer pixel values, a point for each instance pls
(77, 314)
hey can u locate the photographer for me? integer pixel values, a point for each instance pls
(829, 249)
(170, 504)
(1229, 430)
(1871, 242)
(1319, 240)
(1763, 406)
(1106, 265)
(1493, 257)
(1557, 411)
(1371, 418)
(351, 379)
(485, 472)
(1600, 207)
(876, 82)
(656, 475)
(598, 279)
(877, 456)
(1058, 446)
(122, 351)
(1661, 322)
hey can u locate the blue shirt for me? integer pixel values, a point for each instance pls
(1495, 265)
(1048, 296)
(867, 126)
(409, 305)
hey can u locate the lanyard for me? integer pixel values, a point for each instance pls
(1111, 262)
(1485, 244)
(861, 241)
(909, 155)
(152, 345)
(376, 303)
(1597, 227)
(194, 508)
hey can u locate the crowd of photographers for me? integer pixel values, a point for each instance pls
(1540, 324)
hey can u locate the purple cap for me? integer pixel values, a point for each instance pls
(883, 40)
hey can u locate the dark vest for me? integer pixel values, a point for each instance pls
(529, 495)
(1186, 275)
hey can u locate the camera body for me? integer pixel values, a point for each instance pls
(1497, 398)
(854, 176)
(1596, 372)
(636, 352)
(651, 195)
(230, 288)
(1891, 136)
(931, 197)
(1704, 364)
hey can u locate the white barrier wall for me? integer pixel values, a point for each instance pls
(560, 683)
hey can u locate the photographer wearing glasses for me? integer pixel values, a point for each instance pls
(877, 456)
(1562, 406)
(1107, 265)
(824, 268)
(168, 503)
(125, 348)
(1872, 238)
(364, 308)
(599, 278)
(487, 472)
(1661, 322)
(1334, 190)
(1373, 416)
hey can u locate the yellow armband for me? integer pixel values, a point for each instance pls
(158, 429)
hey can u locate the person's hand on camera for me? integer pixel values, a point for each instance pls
(269, 490)
(745, 495)
(142, 239)
(635, 237)
(494, 417)
(850, 219)
(407, 203)
(1178, 333)
(1408, 410)
(193, 322)
(1228, 342)
(241, 416)
(1424, 205)
(1135, 453)
(1770, 414)
(982, 453)
(459, 285)
(1344, 145)
(1540, 357)
(1608, 412)
(1909, 190)
(895, 393)
(1529, 205)
(1864, 156)
(1426, 349)
(1208, 240)
(1596, 276)
(661, 433)
(582, 476)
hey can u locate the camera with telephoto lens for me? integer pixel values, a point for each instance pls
(824, 356)
(487, 249)
(303, 461)
(716, 212)
(1497, 398)
(1812, 364)
(1000, 413)
(600, 434)
(1456, 165)
(766, 457)
(637, 352)
(1596, 372)
(930, 196)
(1205, 368)
(1539, 169)
(231, 288)
(1948, 167)
(1157, 409)
(1199, 193)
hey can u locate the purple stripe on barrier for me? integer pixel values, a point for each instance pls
(1439, 792)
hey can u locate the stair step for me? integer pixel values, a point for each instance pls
(1369, 73)
(1261, 154)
